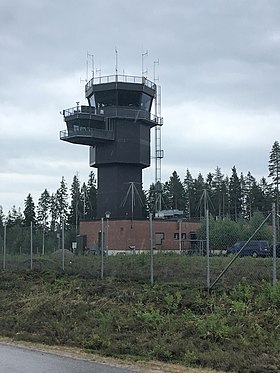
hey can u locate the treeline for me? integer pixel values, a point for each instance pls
(53, 209)
(235, 196)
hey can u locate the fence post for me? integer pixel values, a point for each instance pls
(207, 251)
(31, 245)
(102, 248)
(274, 270)
(180, 236)
(43, 239)
(62, 244)
(151, 249)
(4, 246)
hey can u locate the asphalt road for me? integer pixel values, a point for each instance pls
(15, 359)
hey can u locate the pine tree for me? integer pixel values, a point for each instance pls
(43, 208)
(243, 212)
(217, 198)
(258, 199)
(267, 195)
(166, 196)
(209, 190)
(76, 203)
(199, 190)
(2, 221)
(62, 201)
(14, 217)
(189, 191)
(176, 192)
(248, 197)
(29, 211)
(151, 198)
(90, 197)
(274, 170)
(235, 196)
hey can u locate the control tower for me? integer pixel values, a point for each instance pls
(116, 126)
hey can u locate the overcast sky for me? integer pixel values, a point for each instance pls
(219, 71)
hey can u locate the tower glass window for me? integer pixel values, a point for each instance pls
(129, 98)
(106, 98)
(146, 102)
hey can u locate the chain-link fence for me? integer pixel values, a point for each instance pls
(250, 253)
(222, 254)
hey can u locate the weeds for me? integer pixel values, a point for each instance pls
(234, 329)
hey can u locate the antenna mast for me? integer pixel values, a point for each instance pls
(91, 56)
(158, 150)
(144, 71)
(116, 65)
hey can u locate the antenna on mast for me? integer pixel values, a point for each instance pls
(156, 63)
(116, 64)
(98, 71)
(92, 64)
(146, 71)
(92, 67)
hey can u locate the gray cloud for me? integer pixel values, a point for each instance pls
(219, 72)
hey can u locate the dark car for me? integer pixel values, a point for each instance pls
(277, 250)
(255, 248)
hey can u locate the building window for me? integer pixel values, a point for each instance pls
(183, 236)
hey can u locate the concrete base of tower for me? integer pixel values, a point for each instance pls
(119, 191)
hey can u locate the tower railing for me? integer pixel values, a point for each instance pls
(87, 132)
(80, 109)
(120, 78)
(112, 111)
(135, 114)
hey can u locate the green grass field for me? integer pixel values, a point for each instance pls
(167, 268)
(235, 328)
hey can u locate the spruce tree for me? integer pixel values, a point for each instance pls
(274, 171)
(217, 198)
(76, 203)
(151, 198)
(176, 192)
(62, 201)
(2, 221)
(249, 189)
(29, 211)
(189, 191)
(14, 217)
(90, 197)
(199, 190)
(43, 208)
(235, 195)
(266, 190)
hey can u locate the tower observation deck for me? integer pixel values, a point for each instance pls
(116, 126)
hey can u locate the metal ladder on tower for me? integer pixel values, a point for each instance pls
(158, 154)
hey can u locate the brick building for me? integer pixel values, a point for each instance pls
(127, 235)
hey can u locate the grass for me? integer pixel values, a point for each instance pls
(168, 268)
(235, 328)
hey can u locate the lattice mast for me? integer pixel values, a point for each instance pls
(158, 150)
